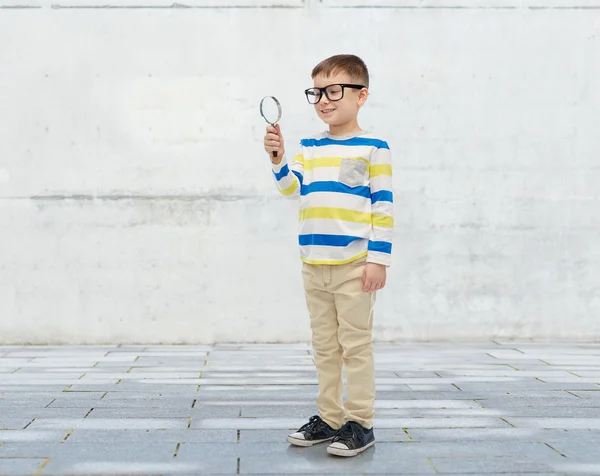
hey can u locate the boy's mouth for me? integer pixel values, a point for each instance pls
(327, 111)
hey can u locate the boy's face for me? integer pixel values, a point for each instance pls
(344, 110)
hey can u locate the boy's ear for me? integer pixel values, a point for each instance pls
(362, 96)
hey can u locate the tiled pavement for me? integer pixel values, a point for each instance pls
(496, 408)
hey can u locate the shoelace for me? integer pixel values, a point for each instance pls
(312, 425)
(348, 432)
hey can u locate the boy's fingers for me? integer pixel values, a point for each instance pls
(277, 129)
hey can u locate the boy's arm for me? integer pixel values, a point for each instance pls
(382, 206)
(289, 177)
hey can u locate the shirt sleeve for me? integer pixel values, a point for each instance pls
(289, 178)
(382, 206)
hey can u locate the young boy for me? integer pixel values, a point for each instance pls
(344, 180)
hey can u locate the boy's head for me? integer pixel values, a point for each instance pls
(346, 82)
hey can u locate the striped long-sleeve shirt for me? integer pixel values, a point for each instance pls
(346, 198)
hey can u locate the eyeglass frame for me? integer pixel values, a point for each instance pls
(324, 92)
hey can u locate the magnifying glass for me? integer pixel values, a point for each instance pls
(270, 110)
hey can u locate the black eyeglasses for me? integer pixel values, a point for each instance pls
(334, 92)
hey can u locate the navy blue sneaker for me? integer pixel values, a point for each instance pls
(351, 440)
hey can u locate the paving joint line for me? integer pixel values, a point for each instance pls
(26, 426)
(42, 466)
(554, 449)
(476, 400)
(431, 464)
(69, 433)
(506, 421)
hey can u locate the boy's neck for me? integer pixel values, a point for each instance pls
(345, 129)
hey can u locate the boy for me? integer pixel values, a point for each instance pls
(344, 180)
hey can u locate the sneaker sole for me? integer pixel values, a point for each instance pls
(340, 452)
(305, 443)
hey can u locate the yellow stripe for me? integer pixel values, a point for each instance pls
(383, 169)
(331, 262)
(291, 189)
(328, 162)
(299, 158)
(383, 221)
(335, 214)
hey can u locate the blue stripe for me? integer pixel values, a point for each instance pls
(282, 173)
(327, 240)
(382, 196)
(336, 187)
(299, 175)
(380, 144)
(381, 246)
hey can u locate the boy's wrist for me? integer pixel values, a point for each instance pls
(277, 166)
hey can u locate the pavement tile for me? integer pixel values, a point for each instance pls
(522, 408)
(20, 466)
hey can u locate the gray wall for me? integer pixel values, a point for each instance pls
(137, 204)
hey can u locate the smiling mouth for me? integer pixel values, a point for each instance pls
(325, 111)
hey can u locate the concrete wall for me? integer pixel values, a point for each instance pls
(137, 204)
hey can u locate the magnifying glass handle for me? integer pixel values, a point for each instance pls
(274, 152)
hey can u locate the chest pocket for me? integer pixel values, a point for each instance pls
(353, 172)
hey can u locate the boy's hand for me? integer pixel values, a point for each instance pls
(274, 142)
(373, 277)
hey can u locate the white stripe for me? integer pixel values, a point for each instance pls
(320, 226)
(335, 150)
(381, 182)
(336, 200)
(378, 257)
(321, 174)
(334, 253)
(383, 234)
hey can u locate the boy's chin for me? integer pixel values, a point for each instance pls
(330, 121)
